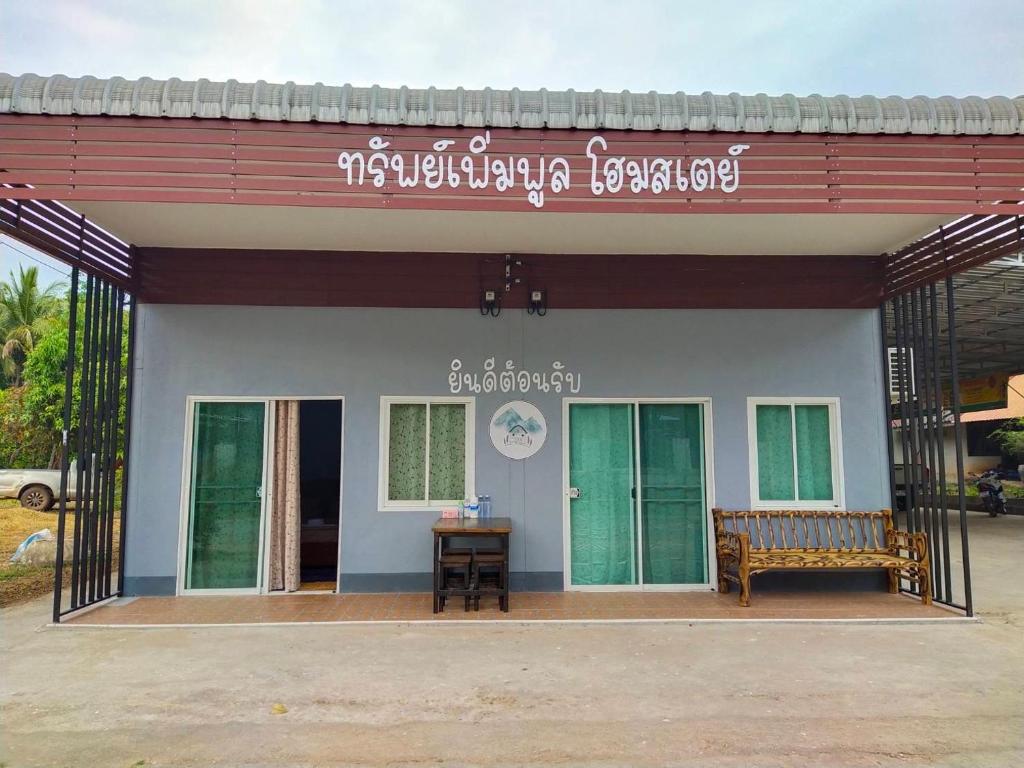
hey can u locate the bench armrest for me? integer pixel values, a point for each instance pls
(914, 543)
(733, 546)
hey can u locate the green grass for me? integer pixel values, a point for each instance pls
(18, 582)
(1012, 489)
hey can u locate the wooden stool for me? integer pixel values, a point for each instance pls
(491, 560)
(455, 564)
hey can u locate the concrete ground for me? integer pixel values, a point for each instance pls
(739, 694)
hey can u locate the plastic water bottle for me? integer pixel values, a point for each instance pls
(485, 506)
(473, 508)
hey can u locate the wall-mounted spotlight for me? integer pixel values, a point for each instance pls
(490, 304)
(538, 303)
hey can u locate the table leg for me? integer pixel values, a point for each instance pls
(437, 572)
(505, 573)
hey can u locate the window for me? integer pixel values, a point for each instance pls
(979, 442)
(426, 452)
(795, 456)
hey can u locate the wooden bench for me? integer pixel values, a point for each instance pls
(753, 542)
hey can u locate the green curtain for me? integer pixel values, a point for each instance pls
(407, 452)
(813, 452)
(225, 507)
(602, 520)
(447, 452)
(775, 453)
(672, 494)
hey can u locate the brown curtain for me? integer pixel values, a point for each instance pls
(285, 517)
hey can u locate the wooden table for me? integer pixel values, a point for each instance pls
(499, 528)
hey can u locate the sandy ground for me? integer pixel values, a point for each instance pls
(652, 694)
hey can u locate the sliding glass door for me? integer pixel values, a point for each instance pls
(637, 494)
(224, 542)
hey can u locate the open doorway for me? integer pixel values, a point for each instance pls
(320, 483)
(305, 511)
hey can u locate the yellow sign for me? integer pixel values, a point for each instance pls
(981, 394)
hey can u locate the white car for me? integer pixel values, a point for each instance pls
(35, 488)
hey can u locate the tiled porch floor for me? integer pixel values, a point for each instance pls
(525, 606)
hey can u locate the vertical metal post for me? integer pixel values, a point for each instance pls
(65, 467)
(928, 459)
(113, 412)
(103, 462)
(887, 404)
(88, 427)
(914, 491)
(943, 496)
(905, 387)
(130, 374)
(955, 398)
(96, 531)
(81, 474)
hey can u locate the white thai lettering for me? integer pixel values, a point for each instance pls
(537, 175)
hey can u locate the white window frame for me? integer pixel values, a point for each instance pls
(429, 505)
(836, 441)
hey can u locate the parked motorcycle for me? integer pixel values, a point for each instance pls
(990, 489)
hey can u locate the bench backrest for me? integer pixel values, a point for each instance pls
(808, 530)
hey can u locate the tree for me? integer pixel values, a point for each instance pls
(45, 373)
(23, 441)
(27, 314)
(1010, 437)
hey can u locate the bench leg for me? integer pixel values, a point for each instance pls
(744, 577)
(894, 580)
(723, 583)
(926, 585)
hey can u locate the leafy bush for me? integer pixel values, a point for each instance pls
(23, 442)
(1010, 437)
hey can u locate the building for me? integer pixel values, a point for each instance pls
(685, 288)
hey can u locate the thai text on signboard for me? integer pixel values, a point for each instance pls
(474, 168)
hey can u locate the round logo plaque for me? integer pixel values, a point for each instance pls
(518, 429)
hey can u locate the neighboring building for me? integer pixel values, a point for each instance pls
(980, 451)
(686, 288)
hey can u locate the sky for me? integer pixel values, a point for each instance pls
(853, 47)
(881, 47)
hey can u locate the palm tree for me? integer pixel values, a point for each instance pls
(26, 314)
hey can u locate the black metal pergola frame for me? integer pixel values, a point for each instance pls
(924, 356)
(102, 276)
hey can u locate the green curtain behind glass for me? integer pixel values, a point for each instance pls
(407, 452)
(813, 452)
(672, 494)
(225, 508)
(775, 453)
(447, 452)
(602, 520)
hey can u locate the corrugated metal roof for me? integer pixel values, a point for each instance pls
(60, 95)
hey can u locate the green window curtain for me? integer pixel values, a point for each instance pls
(775, 453)
(407, 452)
(447, 452)
(813, 452)
(602, 520)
